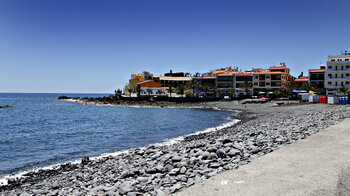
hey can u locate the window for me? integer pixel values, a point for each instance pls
(342, 83)
(342, 75)
(346, 82)
(348, 66)
(336, 83)
(329, 82)
(255, 84)
(346, 59)
(338, 59)
(268, 76)
(329, 67)
(267, 84)
(347, 74)
(256, 77)
(332, 59)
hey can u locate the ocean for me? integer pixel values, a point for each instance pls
(40, 130)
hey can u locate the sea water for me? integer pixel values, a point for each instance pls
(40, 130)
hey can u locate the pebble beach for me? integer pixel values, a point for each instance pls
(166, 169)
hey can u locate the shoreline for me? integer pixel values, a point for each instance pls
(156, 170)
(5, 178)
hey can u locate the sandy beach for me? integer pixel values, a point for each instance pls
(164, 170)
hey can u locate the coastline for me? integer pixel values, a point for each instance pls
(10, 178)
(157, 170)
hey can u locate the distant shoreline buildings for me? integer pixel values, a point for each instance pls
(231, 81)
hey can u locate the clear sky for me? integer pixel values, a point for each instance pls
(94, 45)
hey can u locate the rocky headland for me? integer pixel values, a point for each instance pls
(5, 106)
(166, 169)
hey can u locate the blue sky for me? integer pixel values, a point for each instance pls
(94, 46)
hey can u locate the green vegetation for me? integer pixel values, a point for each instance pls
(170, 89)
(247, 86)
(129, 91)
(159, 92)
(149, 91)
(344, 90)
(180, 89)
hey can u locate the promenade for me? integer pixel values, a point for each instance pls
(317, 165)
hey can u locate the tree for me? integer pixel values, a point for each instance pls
(218, 91)
(277, 93)
(170, 89)
(197, 74)
(130, 91)
(205, 89)
(187, 74)
(290, 87)
(307, 87)
(149, 91)
(343, 90)
(233, 91)
(247, 86)
(159, 92)
(193, 84)
(138, 90)
(180, 89)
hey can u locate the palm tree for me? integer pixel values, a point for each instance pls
(205, 89)
(187, 74)
(130, 91)
(118, 93)
(149, 91)
(170, 89)
(307, 87)
(343, 90)
(193, 84)
(247, 86)
(277, 93)
(180, 89)
(233, 91)
(159, 92)
(139, 90)
(218, 91)
(290, 87)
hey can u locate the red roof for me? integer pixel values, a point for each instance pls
(203, 78)
(219, 71)
(225, 74)
(301, 80)
(275, 72)
(278, 67)
(243, 74)
(316, 70)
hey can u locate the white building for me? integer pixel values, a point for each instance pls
(337, 73)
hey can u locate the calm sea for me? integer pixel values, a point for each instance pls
(40, 130)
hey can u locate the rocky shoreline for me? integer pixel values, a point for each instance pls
(132, 103)
(163, 170)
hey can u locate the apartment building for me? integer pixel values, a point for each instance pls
(208, 80)
(240, 80)
(337, 73)
(274, 78)
(316, 77)
(225, 84)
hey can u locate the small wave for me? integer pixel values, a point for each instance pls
(167, 142)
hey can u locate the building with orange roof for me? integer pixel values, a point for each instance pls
(301, 81)
(274, 78)
(316, 77)
(225, 84)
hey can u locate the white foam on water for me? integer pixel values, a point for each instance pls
(167, 142)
